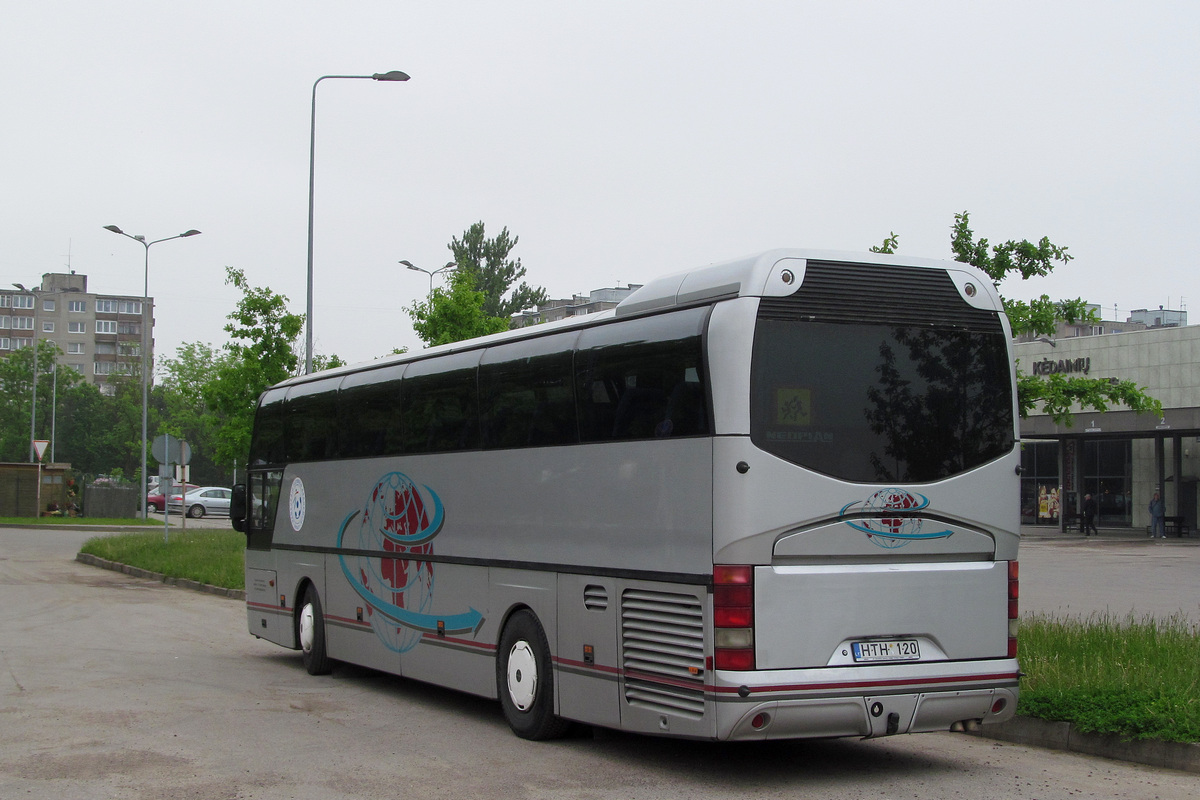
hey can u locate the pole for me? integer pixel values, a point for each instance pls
(145, 375)
(147, 321)
(33, 405)
(53, 409)
(394, 75)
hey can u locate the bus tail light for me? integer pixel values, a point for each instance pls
(1014, 595)
(733, 617)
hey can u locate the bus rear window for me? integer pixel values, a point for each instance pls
(881, 403)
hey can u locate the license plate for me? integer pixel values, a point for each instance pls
(893, 650)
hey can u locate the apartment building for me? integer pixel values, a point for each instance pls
(596, 300)
(100, 335)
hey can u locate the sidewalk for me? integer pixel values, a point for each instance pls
(1124, 535)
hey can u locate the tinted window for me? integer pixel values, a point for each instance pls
(642, 379)
(439, 405)
(525, 394)
(262, 501)
(268, 445)
(311, 421)
(870, 403)
(369, 413)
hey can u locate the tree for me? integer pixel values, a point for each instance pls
(1057, 394)
(15, 378)
(493, 273)
(261, 353)
(179, 400)
(454, 314)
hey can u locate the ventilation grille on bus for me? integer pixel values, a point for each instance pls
(662, 636)
(862, 293)
(595, 598)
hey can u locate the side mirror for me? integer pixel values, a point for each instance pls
(237, 508)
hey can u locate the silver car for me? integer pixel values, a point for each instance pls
(211, 500)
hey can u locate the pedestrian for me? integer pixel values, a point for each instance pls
(1089, 516)
(1158, 529)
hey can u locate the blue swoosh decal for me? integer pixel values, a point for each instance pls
(467, 622)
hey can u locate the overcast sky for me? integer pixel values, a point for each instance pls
(620, 141)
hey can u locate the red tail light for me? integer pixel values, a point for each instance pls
(733, 616)
(1014, 594)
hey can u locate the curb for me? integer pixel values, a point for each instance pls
(1064, 736)
(138, 572)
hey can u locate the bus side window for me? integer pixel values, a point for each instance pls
(643, 379)
(311, 422)
(525, 395)
(368, 413)
(440, 411)
(269, 444)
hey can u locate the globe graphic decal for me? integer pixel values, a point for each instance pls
(394, 512)
(887, 518)
(892, 532)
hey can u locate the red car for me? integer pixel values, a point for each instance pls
(155, 501)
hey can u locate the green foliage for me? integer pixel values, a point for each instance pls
(493, 273)
(321, 361)
(261, 353)
(454, 314)
(889, 246)
(16, 376)
(1055, 395)
(179, 401)
(1139, 678)
(1026, 259)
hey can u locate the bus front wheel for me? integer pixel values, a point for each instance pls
(524, 680)
(311, 630)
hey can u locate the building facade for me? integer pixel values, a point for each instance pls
(100, 335)
(1117, 456)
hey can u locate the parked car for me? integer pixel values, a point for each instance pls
(212, 500)
(156, 501)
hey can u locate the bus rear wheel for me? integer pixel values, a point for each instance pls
(310, 625)
(525, 681)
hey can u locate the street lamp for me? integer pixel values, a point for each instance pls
(394, 75)
(450, 265)
(33, 405)
(146, 320)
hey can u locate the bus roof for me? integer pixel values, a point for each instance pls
(774, 273)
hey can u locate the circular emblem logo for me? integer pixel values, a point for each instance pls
(296, 504)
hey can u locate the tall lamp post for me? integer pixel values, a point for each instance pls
(394, 75)
(450, 265)
(33, 405)
(145, 332)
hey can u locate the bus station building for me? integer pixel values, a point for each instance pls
(1119, 457)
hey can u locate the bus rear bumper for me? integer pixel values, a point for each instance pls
(826, 703)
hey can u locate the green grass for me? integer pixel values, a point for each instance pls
(75, 521)
(1135, 677)
(209, 556)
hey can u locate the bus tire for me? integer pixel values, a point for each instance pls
(310, 630)
(525, 679)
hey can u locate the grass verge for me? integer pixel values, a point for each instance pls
(1135, 677)
(216, 557)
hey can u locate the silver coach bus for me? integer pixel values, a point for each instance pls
(772, 498)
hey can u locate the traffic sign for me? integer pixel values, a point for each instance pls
(39, 446)
(169, 450)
